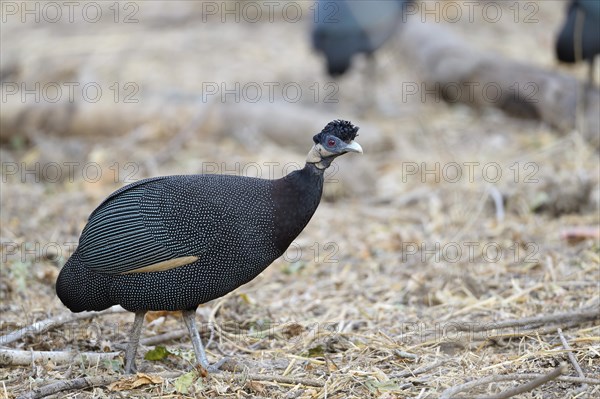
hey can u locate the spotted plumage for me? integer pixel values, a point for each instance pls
(156, 220)
(174, 242)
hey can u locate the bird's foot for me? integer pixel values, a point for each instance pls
(130, 368)
(215, 368)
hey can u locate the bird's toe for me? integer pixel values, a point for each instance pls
(215, 368)
(131, 369)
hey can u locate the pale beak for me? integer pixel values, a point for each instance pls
(353, 146)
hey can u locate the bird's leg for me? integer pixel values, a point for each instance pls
(591, 72)
(134, 340)
(189, 318)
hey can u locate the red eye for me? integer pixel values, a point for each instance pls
(331, 142)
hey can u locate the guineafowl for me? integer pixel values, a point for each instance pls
(341, 29)
(579, 38)
(175, 242)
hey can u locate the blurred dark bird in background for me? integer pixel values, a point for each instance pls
(579, 38)
(341, 29)
(175, 242)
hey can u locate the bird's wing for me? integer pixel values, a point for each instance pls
(148, 225)
(591, 8)
(123, 189)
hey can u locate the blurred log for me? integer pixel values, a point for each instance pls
(77, 118)
(458, 73)
(287, 125)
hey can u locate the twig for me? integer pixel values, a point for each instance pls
(531, 385)
(12, 357)
(580, 316)
(538, 380)
(572, 358)
(281, 379)
(406, 355)
(43, 326)
(527, 330)
(566, 378)
(570, 354)
(420, 370)
(157, 339)
(498, 203)
(77, 383)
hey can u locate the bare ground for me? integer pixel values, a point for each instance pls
(409, 280)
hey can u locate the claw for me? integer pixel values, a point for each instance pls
(215, 368)
(190, 322)
(130, 368)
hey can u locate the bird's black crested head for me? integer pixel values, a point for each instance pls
(337, 138)
(344, 130)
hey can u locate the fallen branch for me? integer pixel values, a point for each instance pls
(68, 385)
(538, 380)
(43, 326)
(12, 357)
(451, 66)
(579, 316)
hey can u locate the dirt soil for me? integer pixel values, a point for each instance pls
(413, 274)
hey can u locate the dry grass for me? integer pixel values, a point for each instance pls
(369, 306)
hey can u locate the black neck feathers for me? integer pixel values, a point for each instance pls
(296, 197)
